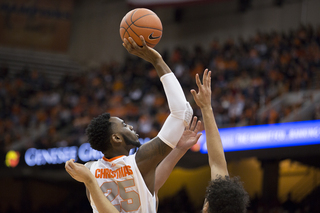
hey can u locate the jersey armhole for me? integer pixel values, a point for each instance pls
(139, 174)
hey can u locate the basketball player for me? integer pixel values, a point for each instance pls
(224, 194)
(127, 179)
(81, 173)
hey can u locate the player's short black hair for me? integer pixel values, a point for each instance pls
(99, 132)
(227, 195)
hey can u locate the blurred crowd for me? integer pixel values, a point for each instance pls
(246, 74)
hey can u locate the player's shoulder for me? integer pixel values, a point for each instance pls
(131, 157)
(89, 164)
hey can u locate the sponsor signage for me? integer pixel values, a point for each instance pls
(59, 155)
(266, 136)
(233, 139)
(37, 25)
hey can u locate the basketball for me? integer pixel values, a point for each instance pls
(141, 21)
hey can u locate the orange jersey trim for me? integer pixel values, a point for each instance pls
(112, 159)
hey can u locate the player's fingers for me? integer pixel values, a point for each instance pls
(78, 166)
(204, 77)
(133, 43)
(209, 79)
(193, 123)
(198, 136)
(69, 170)
(194, 94)
(198, 81)
(198, 126)
(67, 164)
(130, 43)
(126, 43)
(71, 163)
(144, 44)
(187, 127)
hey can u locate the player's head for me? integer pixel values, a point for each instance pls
(226, 195)
(105, 132)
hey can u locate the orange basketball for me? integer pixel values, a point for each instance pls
(143, 22)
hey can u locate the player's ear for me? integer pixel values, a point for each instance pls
(116, 139)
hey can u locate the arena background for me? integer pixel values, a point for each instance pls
(78, 36)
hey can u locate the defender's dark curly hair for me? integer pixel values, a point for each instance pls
(99, 132)
(227, 195)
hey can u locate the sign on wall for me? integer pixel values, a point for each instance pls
(266, 136)
(233, 139)
(36, 25)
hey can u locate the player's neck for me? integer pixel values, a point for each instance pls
(114, 153)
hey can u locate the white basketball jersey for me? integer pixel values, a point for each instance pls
(121, 181)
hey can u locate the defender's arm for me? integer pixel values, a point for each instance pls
(216, 155)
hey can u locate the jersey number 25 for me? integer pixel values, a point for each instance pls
(130, 199)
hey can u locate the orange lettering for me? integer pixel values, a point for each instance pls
(107, 173)
(118, 173)
(122, 171)
(103, 173)
(130, 170)
(126, 171)
(112, 174)
(96, 173)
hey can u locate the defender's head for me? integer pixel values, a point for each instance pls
(106, 133)
(226, 195)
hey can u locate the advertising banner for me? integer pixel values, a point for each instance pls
(266, 136)
(36, 25)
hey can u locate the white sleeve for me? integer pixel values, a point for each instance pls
(181, 111)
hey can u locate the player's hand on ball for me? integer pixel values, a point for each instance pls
(147, 53)
(78, 171)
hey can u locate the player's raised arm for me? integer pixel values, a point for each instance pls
(223, 194)
(150, 154)
(82, 174)
(202, 98)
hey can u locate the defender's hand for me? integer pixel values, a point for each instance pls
(190, 135)
(203, 97)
